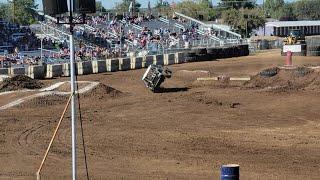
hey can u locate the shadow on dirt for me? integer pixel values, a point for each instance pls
(171, 90)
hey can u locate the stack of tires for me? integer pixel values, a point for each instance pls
(191, 56)
(208, 54)
(212, 53)
(202, 54)
(244, 50)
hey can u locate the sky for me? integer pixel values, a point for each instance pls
(111, 3)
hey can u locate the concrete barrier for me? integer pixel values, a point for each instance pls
(179, 57)
(136, 62)
(35, 72)
(65, 69)
(158, 59)
(124, 64)
(112, 65)
(84, 67)
(169, 59)
(147, 61)
(4, 71)
(17, 71)
(99, 66)
(53, 70)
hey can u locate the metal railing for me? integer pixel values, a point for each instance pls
(217, 27)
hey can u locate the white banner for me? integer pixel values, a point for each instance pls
(292, 48)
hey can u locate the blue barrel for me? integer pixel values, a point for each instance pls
(230, 172)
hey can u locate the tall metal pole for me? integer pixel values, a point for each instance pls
(73, 99)
(73, 109)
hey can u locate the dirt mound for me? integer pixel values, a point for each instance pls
(103, 91)
(19, 82)
(44, 101)
(285, 79)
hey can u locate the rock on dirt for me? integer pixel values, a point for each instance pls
(19, 82)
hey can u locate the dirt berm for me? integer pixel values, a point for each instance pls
(19, 82)
(285, 79)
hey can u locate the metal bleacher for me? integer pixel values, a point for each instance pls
(224, 36)
(202, 37)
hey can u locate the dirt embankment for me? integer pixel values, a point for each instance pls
(19, 82)
(285, 79)
(100, 92)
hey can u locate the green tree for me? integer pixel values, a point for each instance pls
(286, 13)
(123, 7)
(23, 11)
(307, 9)
(4, 11)
(197, 8)
(274, 8)
(237, 4)
(163, 7)
(244, 20)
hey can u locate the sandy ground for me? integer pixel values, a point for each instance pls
(186, 132)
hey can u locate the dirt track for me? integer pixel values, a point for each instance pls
(186, 132)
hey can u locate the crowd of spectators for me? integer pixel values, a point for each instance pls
(103, 37)
(22, 38)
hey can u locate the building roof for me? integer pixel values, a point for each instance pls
(292, 23)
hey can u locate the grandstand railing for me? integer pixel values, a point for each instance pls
(53, 32)
(179, 26)
(137, 27)
(217, 27)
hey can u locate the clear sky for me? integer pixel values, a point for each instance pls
(111, 3)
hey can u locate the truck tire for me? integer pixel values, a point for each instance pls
(269, 72)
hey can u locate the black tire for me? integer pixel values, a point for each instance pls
(269, 72)
(191, 54)
(210, 57)
(302, 71)
(190, 58)
(212, 51)
(204, 57)
(201, 51)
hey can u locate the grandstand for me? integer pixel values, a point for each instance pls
(107, 36)
(128, 35)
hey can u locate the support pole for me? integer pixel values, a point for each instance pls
(73, 99)
(73, 109)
